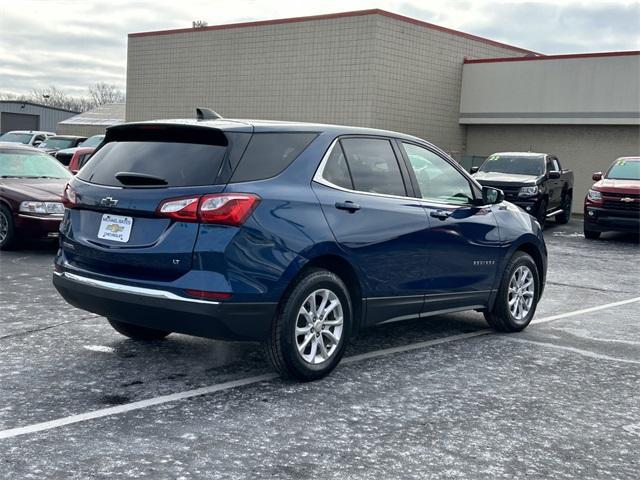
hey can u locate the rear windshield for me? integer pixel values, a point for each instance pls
(176, 164)
(529, 165)
(625, 170)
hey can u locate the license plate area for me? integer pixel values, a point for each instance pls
(116, 228)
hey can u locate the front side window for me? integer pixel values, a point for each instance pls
(373, 166)
(438, 179)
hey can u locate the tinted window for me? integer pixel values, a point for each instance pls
(179, 164)
(519, 165)
(373, 165)
(336, 170)
(268, 154)
(438, 179)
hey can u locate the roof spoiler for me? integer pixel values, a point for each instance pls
(207, 114)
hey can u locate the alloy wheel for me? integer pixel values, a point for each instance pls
(319, 326)
(521, 293)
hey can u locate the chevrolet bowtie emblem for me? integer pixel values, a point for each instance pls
(114, 228)
(626, 199)
(108, 202)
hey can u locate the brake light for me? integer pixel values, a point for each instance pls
(69, 197)
(183, 209)
(227, 208)
(219, 208)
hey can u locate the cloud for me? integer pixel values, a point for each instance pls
(74, 44)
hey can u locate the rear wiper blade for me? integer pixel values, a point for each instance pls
(134, 178)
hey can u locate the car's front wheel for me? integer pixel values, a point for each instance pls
(517, 299)
(136, 332)
(310, 330)
(565, 216)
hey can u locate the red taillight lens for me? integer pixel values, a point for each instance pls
(69, 198)
(184, 209)
(220, 208)
(205, 295)
(227, 208)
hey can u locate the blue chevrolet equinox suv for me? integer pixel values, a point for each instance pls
(290, 234)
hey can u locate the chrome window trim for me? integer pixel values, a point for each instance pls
(120, 288)
(318, 178)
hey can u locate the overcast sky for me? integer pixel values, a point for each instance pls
(75, 43)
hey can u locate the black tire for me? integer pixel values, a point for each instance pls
(136, 332)
(8, 233)
(591, 234)
(542, 213)
(564, 217)
(281, 347)
(501, 317)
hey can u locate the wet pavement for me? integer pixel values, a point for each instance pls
(559, 400)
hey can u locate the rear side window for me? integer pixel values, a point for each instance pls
(336, 169)
(178, 164)
(373, 165)
(268, 154)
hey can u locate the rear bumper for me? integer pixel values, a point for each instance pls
(605, 220)
(165, 310)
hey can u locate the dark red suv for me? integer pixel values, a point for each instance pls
(613, 203)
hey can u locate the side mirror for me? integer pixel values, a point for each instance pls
(554, 175)
(597, 176)
(492, 195)
(37, 142)
(474, 169)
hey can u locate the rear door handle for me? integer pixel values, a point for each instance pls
(441, 214)
(348, 205)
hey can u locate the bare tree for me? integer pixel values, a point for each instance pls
(102, 93)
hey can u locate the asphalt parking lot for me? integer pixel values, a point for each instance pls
(438, 398)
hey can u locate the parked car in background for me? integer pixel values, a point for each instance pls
(536, 182)
(31, 186)
(296, 235)
(79, 158)
(52, 144)
(26, 137)
(65, 155)
(613, 202)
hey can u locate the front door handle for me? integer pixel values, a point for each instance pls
(441, 214)
(348, 205)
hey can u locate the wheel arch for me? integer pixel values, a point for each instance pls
(347, 272)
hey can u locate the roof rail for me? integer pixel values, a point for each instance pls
(207, 114)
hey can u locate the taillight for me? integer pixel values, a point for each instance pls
(219, 208)
(69, 197)
(183, 209)
(227, 208)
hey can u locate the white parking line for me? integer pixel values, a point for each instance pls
(105, 412)
(537, 321)
(579, 351)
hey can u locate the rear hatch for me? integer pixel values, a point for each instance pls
(114, 228)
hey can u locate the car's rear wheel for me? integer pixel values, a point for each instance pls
(311, 328)
(518, 296)
(7, 231)
(591, 234)
(136, 332)
(564, 217)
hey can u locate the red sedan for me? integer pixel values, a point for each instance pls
(31, 186)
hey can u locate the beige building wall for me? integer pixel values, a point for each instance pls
(374, 70)
(81, 130)
(582, 148)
